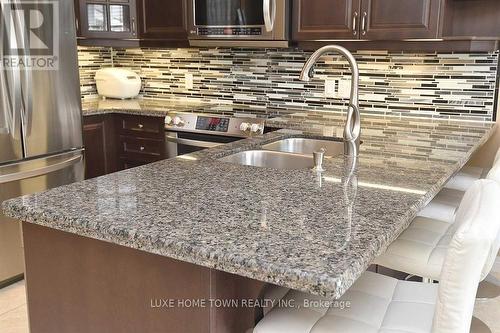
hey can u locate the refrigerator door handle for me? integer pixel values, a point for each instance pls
(10, 103)
(13, 88)
(24, 74)
(40, 171)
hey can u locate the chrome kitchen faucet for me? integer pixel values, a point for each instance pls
(352, 127)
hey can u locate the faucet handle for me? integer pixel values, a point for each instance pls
(319, 157)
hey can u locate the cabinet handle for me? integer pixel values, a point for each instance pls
(140, 126)
(133, 26)
(355, 24)
(142, 148)
(77, 24)
(363, 23)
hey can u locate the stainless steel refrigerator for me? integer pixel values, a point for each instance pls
(40, 117)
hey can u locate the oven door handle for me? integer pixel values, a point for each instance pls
(269, 14)
(193, 143)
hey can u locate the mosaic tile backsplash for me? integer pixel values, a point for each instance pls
(391, 83)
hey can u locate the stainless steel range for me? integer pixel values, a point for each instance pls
(189, 132)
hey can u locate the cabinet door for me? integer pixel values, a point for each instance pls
(326, 19)
(108, 19)
(160, 19)
(399, 19)
(99, 139)
(95, 150)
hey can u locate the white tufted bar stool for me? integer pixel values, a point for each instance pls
(465, 178)
(421, 248)
(468, 175)
(444, 205)
(385, 305)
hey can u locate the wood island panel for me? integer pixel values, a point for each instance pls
(77, 284)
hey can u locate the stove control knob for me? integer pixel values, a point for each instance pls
(245, 127)
(255, 128)
(168, 120)
(177, 121)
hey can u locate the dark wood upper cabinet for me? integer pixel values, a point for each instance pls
(162, 20)
(464, 25)
(108, 19)
(325, 19)
(399, 19)
(365, 19)
(471, 18)
(132, 23)
(398, 25)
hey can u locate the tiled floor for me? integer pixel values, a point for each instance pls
(13, 311)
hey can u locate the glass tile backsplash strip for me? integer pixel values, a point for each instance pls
(445, 85)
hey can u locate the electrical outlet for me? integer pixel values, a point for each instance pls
(188, 84)
(344, 88)
(330, 88)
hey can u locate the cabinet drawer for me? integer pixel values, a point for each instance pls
(141, 126)
(139, 146)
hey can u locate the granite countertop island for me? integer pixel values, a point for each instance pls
(295, 228)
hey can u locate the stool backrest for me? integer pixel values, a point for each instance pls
(497, 158)
(494, 173)
(468, 257)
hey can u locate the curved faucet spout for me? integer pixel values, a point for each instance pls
(352, 129)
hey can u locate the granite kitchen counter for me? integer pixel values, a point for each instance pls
(139, 106)
(161, 107)
(294, 228)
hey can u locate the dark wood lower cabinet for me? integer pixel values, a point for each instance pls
(95, 155)
(116, 142)
(140, 140)
(98, 140)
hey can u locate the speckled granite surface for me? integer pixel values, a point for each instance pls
(161, 107)
(295, 228)
(149, 107)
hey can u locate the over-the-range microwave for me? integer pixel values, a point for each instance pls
(239, 23)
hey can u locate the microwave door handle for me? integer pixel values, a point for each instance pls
(269, 7)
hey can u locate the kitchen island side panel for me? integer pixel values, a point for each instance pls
(77, 284)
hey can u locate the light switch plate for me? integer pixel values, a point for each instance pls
(188, 84)
(344, 88)
(330, 88)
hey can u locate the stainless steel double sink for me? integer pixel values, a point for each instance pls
(292, 154)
